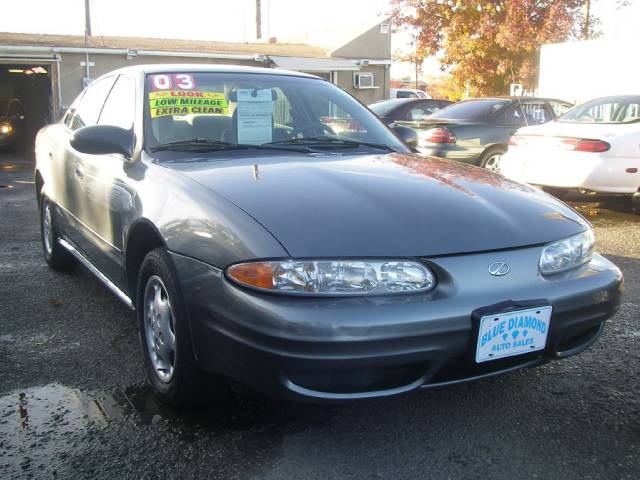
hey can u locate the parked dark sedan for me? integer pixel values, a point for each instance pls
(477, 131)
(410, 112)
(259, 246)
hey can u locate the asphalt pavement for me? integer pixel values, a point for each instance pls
(74, 401)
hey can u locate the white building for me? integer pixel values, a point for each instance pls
(583, 70)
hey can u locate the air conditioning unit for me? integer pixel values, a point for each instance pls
(363, 80)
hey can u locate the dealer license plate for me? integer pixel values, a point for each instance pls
(514, 333)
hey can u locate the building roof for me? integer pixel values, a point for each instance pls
(163, 44)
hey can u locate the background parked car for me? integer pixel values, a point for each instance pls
(11, 122)
(595, 147)
(408, 93)
(410, 112)
(477, 131)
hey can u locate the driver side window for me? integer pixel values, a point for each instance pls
(90, 106)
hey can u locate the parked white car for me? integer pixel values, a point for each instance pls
(594, 148)
(407, 93)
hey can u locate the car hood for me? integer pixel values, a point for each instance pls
(392, 205)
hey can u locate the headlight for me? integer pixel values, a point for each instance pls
(567, 254)
(5, 128)
(334, 277)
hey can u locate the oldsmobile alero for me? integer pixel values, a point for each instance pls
(270, 231)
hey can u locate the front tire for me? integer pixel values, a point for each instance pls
(166, 337)
(56, 256)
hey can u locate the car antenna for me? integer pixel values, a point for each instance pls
(513, 81)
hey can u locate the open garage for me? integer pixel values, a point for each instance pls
(26, 101)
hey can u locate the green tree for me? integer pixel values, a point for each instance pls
(488, 44)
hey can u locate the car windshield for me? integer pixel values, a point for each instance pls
(470, 109)
(223, 110)
(605, 110)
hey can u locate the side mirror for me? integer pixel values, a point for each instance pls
(103, 140)
(406, 134)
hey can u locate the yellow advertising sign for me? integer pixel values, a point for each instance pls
(163, 103)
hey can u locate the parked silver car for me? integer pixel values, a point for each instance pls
(260, 246)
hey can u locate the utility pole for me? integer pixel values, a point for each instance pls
(587, 20)
(87, 19)
(87, 34)
(258, 19)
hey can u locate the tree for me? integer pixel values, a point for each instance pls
(489, 44)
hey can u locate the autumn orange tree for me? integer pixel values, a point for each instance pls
(488, 44)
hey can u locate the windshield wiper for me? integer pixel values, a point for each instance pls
(193, 144)
(204, 145)
(331, 142)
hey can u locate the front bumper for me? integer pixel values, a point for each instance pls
(304, 348)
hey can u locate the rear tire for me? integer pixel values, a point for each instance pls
(490, 158)
(635, 203)
(165, 336)
(56, 256)
(559, 193)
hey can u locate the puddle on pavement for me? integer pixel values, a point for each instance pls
(49, 431)
(42, 414)
(38, 426)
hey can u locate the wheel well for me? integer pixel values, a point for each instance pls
(39, 185)
(502, 147)
(142, 238)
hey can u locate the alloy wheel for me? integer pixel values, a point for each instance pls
(47, 228)
(159, 328)
(493, 163)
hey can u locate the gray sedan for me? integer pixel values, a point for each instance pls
(270, 231)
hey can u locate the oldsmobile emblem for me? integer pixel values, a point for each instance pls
(499, 269)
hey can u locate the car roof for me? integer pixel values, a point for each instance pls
(400, 101)
(205, 68)
(522, 99)
(616, 97)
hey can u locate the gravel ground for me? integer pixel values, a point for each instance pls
(74, 404)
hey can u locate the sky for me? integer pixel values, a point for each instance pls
(221, 20)
(322, 22)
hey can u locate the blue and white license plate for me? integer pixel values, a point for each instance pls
(514, 333)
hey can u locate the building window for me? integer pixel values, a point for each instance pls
(363, 80)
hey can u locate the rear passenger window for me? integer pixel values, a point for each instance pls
(90, 105)
(528, 114)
